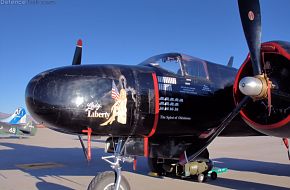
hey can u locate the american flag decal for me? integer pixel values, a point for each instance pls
(115, 91)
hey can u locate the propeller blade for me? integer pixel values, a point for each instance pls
(251, 20)
(78, 53)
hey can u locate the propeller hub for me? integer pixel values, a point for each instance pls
(256, 87)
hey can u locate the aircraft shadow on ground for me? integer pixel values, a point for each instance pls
(49, 186)
(74, 164)
(238, 184)
(268, 168)
(72, 159)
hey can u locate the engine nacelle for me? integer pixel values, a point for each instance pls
(275, 58)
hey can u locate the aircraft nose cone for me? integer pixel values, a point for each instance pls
(29, 93)
(62, 98)
(35, 95)
(251, 86)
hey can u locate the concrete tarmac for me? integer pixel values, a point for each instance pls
(53, 160)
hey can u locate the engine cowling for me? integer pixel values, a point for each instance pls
(275, 58)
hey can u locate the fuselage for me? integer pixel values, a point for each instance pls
(191, 98)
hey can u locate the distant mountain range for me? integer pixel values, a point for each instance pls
(4, 115)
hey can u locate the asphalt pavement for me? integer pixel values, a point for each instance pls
(52, 160)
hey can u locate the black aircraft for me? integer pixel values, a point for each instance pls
(170, 107)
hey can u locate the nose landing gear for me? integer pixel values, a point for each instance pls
(106, 181)
(112, 180)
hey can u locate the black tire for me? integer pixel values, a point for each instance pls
(106, 180)
(213, 175)
(155, 167)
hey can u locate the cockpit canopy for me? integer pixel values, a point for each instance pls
(180, 64)
(188, 66)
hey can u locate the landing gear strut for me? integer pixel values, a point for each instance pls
(87, 151)
(112, 180)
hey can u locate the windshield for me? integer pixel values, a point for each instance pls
(180, 64)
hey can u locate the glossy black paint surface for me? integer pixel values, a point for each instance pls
(61, 98)
(179, 106)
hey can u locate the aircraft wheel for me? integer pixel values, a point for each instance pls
(201, 178)
(106, 181)
(213, 175)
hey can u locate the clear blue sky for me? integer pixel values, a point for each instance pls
(37, 37)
